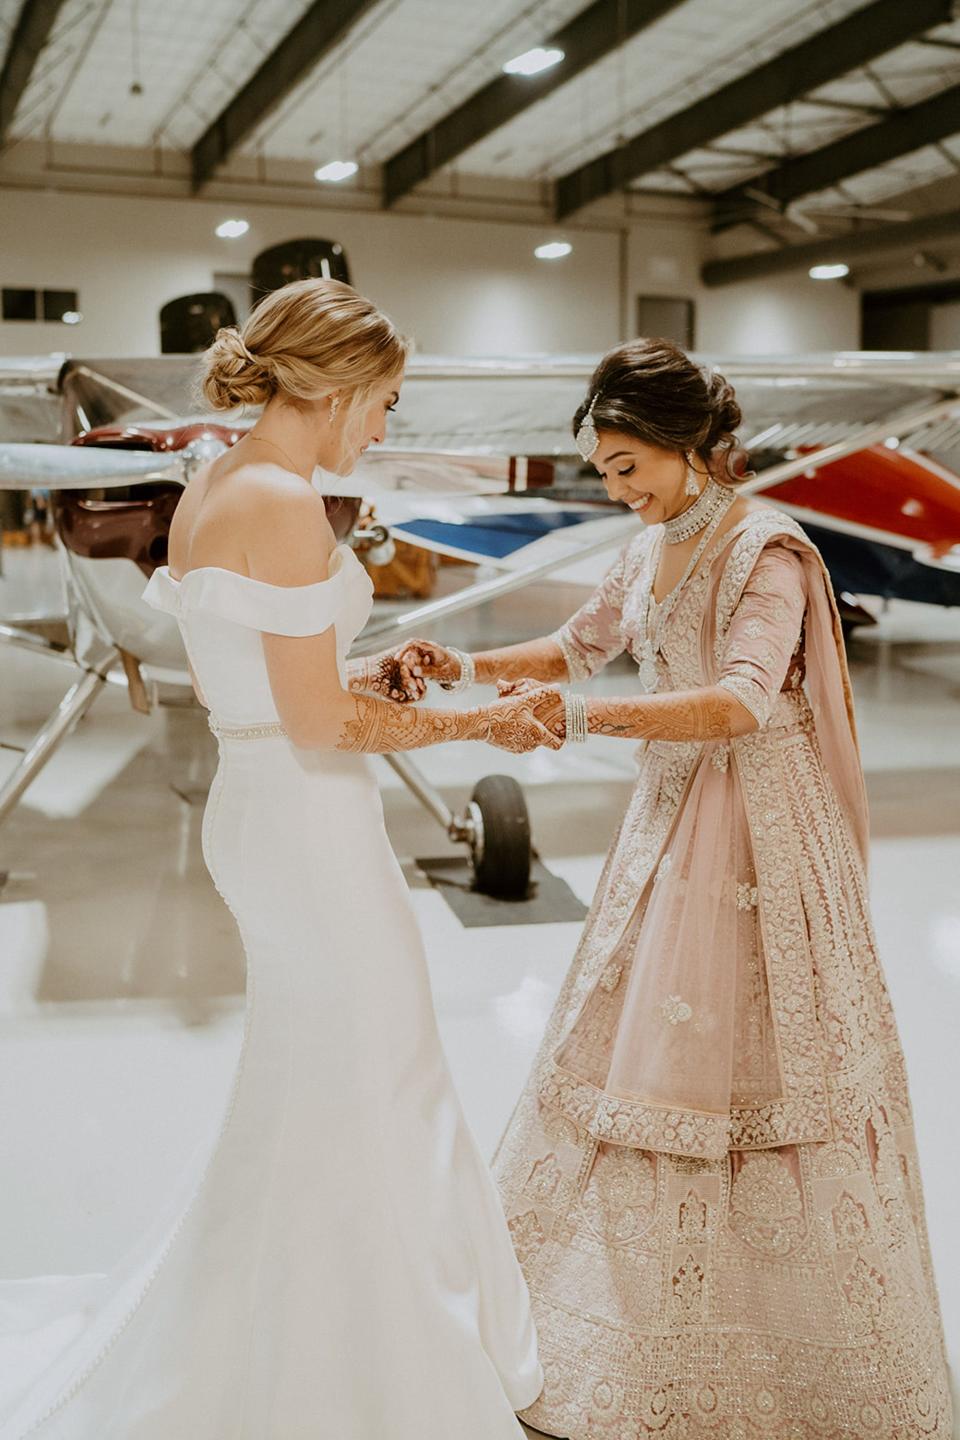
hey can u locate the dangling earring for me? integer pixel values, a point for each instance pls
(334, 407)
(691, 487)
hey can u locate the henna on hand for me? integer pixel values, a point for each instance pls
(709, 713)
(431, 661)
(518, 687)
(389, 674)
(526, 722)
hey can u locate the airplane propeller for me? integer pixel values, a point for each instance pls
(65, 467)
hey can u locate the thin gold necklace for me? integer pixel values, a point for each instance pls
(279, 448)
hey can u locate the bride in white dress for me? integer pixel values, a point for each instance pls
(342, 1268)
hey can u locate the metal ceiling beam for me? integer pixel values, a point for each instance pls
(587, 38)
(861, 37)
(885, 239)
(325, 24)
(905, 130)
(30, 35)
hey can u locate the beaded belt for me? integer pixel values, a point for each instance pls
(268, 730)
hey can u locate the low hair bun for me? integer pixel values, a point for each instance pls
(300, 343)
(725, 420)
(233, 375)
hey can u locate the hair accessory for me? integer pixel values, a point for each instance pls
(334, 407)
(467, 676)
(691, 487)
(575, 718)
(587, 438)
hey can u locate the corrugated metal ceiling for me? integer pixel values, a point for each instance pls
(134, 74)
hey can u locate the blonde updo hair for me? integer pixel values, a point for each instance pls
(301, 342)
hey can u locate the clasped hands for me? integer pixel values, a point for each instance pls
(527, 715)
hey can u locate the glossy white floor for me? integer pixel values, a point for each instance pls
(121, 976)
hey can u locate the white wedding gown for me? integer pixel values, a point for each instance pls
(342, 1270)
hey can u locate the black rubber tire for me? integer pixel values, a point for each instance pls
(502, 867)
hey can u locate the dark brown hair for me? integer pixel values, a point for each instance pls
(652, 390)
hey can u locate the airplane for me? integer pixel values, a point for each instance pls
(863, 449)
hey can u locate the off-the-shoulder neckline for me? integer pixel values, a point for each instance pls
(250, 579)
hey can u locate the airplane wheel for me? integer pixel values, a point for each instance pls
(500, 847)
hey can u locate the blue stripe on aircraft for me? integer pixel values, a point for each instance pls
(868, 567)
(495, 536)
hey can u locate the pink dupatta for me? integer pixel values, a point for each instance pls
(700, 1033)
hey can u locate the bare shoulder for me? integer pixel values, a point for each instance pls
(287, 536)
(254, 485)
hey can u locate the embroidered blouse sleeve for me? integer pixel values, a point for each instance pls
(592, 637)
(764, 631)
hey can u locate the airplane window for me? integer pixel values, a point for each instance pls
(58, 303)
(19, 304)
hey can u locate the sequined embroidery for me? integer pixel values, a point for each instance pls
(675, 1011)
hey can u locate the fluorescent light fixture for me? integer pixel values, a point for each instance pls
(531, 62)
(232, 229)
(553, 250)
(336, 170)
(71, 317)
(829, 272)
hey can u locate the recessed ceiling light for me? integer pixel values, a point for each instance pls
(553, 250)
(531, 62)
(71, 317)
(336, 170)
(829, 272)
(232, 229)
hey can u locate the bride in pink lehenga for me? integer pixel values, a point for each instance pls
(711, 1176)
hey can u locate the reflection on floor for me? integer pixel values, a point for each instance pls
(121, 976)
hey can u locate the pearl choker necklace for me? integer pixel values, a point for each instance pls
(711, 502)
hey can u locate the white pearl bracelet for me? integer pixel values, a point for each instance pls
(467, 676)
(575, 718)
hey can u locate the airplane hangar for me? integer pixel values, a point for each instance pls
(521, 187)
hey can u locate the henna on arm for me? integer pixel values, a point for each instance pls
(707, 713)
(540, 659)
(381, 727)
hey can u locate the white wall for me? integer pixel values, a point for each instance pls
(945, 326)
(459, 286)
(790, 314)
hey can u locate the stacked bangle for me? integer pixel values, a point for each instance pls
(467, 676)
(575, 717)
